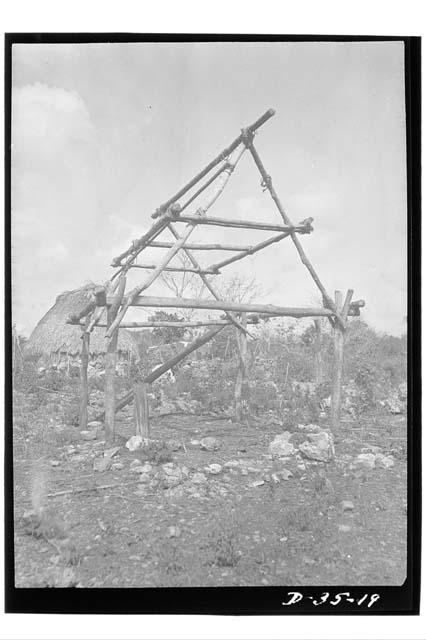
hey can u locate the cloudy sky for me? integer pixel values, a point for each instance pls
(102, 134)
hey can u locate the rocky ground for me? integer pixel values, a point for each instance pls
(208, 502)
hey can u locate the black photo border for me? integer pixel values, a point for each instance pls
(394, 600)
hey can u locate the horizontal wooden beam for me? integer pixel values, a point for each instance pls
(243, 224)
(164, 323)
(222, 305)
(202, 247)
(208, 271)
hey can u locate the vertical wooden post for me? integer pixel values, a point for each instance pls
(141, 409)
(110, 365)
(241, 373)
(319, 363)
(84, 387)
(339, 341)
(111, 362)
(336, 389)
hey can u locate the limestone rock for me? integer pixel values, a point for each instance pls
(101, 464)
(281, 447)
(365, 461)
(384, 462)
(214, 469)
(319, 446)
(88, 435)
(199, 478)
(309, 428)
(134, 443)
(94, 424)
(209, 444)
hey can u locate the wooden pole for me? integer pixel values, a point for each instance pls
(241, 224)
(267, 182)
(224, 305)
(179, 244)
(249, 251)
(137, 245)
(202, 247)
(209, 271)
(84, 387)
(222, 156)
(141, 409)
(184, 325)
(319, 363)
(111, 363)
(241, 373)
(151, 278)
(158, 371)
(339, 341)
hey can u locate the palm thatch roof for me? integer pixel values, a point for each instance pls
(52, 335)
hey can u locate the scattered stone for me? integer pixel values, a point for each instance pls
(175, 492)
(137, 469)
(366, 461)
(173, 532)
(285, 474)
(173, 445)
(283, 539)
(170, 469)
(54, 463)
(384, 462)
(320, 446)
(347, 505)
(101, 464)
(78, 457)
(110, 453)
(141, 492)
(135, 463)
(195, 443)
(133, 443)
(214, 469)
(257, 483)
(371, 449)
(244, 472)
(301, 466)
(275, 477)
(209, 444)
(95, 424)
(344, 528)
(199, 478)
(309, 428)
(281, 446)
(88, 435)
(117, 466)
(232, 464)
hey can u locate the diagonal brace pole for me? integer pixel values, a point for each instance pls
(267, 183)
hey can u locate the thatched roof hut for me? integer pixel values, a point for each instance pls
(53, 338)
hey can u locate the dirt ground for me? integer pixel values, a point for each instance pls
(255, 522)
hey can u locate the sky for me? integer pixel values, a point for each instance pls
(102, 134)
